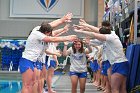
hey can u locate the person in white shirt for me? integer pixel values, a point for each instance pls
(44, 74)
(94, 65)
(47, 70)
(78, 68)
(105, 67)
(34, 47)
(114, 53)
(52, 64)
(42, 65)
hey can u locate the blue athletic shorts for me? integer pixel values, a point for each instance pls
(52, 64)
(46, 65)
(91, 64)
(121, 68)
(80, 75)
(38, 65)
(25, 64)
(95, 66)
(105, 66)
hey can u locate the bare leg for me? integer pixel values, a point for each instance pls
(116, 82)
(97, 81)
(98, 77)
(82, 82)
(109, 74)
(103, 82)
(123, 86)
(39, 82)
(28, 81)
(37, 76)
(49, 80)
(95, 78)
(44, 76)
(107, 86)
(74, 81)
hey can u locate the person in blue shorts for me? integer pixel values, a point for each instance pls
(78, 67)
(114, 53)
(35, 46)
(95, 66)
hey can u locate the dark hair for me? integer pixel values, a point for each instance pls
(106, 23)
(45, 27)
(105, 30)
(81, 49)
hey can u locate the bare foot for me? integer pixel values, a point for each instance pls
(52, 91)
(96, 84)
(106, 91)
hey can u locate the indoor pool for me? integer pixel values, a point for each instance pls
(13, 84)
(10, 86)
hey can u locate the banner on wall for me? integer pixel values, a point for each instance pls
(46, 8)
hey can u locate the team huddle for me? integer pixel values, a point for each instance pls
(101, 47)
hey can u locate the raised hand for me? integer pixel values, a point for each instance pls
(78, 27)
(67, 17)
(86, 40)
(82, 22)
(81, 27)
(77, 30)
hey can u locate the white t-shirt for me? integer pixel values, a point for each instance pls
(95, 51)
(52, 48)
(114, 49)
(78, 61)
(34, 47)
(42, 58)
(104, 57)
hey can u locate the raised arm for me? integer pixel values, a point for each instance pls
(57, 53)
(61, 31)
(87, 42)
(86, 25)
(65, 52)
(98, 36)
(65, 18)
(60, 39)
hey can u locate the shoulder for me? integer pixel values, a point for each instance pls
(36, 28)
(111, 37)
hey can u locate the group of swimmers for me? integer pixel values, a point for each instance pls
(42, 42)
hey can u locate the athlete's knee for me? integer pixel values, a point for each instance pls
(114, 90)
(82, 90)
(28, 87)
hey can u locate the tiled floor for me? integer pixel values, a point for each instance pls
(63, 85)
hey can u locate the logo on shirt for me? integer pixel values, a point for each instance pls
(77, 57)
(47, 4)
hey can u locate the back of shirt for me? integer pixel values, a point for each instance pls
(34, 45)
(114, 49)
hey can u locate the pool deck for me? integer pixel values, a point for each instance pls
(10, 75)
(61, 83)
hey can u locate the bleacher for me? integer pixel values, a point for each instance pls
(11, 52)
